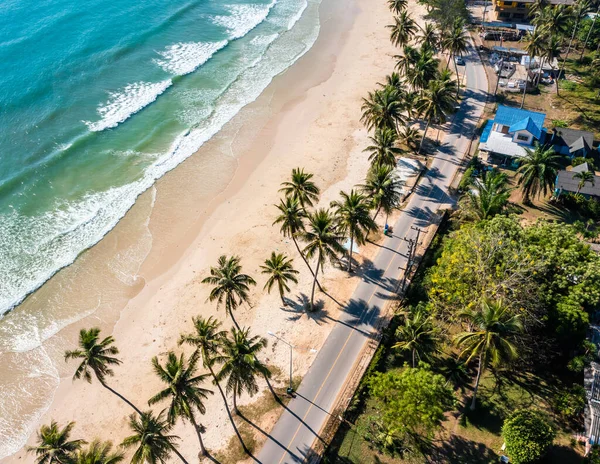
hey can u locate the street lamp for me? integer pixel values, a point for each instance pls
(290, 389)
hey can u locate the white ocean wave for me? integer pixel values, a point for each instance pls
(126, 102)
(243, 18)
(184, 58)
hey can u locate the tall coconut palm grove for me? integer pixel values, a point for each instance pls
(397, 114)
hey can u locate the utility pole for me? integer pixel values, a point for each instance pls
(413, 244)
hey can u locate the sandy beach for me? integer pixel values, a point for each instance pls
(308, 117)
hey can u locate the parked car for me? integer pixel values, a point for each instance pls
(459, 60)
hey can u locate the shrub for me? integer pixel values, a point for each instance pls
(570, 403)
(528, 435)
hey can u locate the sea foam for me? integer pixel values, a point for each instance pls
(184, 58)
(243, 18)
(126, 102)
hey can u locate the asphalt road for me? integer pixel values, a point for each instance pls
(293, 436)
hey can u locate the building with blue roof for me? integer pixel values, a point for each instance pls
(512, 132)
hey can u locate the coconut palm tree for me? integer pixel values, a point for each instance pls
(589, 34)
(150, 439)
(423, 71)
(579, 12)
(417, 335)
(491, 339)
(383, 189)
(394, 81)
(382, 109)
(183, 390)
(301, 187)
(535, 43)
(488, 196)
(410, 55)
(96, 357)
(383, 149)
(208, 340)
(537, 6)
(436, 103)
(537, 171)
(410, 137)
(353, 217)
(280, 270)
(553, 19)
(397, 6)
(456, 44)
(323, 241)
(429, 36)
(54, 445)
(98, 452)
(241, 365)
(230, 285)
(584, 177)
(552, 51)
(403, 29)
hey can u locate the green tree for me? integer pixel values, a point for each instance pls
(407, 60)
(240, 364)
(96, 357)
(491, 340)
(528, 435)
(280, 270)
(230, 285)
(150, 439)
(489, 195)
(410, 138)
(436, 103)
(429, 37)
(537, 171)
(455, 43)
(411, 402)
(301, 187)
(208, 340)
(403, 29)
(323, 241)
(382, 109)
(397, 6)
(417, 335)
(422, 71)
(54, 445)
(552, 51)
(584, 177)
(535, 43)
(383, 188)
(183, 389)
(354, 220)
(383, 149)
(98, 452)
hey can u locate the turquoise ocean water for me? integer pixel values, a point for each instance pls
(99, 99)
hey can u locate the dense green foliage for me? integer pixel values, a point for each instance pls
(528, 435)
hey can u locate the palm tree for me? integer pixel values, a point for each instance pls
(489, 195)
(535, 43)
(382, 109)
(98, 452)
(423, 71)
(208, 340)
(429, 36)
(96, 357)
(301, 187)
(436, 103)
(383, 149)
(536, 7)
(183, 389)
(229, 284)
(579, 12)
(552, 51)
(281, 271)
(354, 219)
(322, 239)
(397, 6)
(383, 189)
(490, 341)
(417, 335)
(584, 177)
(241, 366)
(410, 55)
(588, 35)
(553, 19)
(456, 44)
(394, 81)
(537, 171)
(54, 444)
(410, 138)
(403, 29)
(150, 439)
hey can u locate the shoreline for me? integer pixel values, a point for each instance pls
(290, 107)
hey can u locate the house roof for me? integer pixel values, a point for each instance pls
(571, 138)
(566, 181)
(510, 116)
(503, 144)
(527, 124)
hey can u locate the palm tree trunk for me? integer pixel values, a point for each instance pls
(230, 312)
(283, 302)
(449, 58)
(312, 296)
(237, 432)
(562, 68)
(424, 135)
(457, 80)
(479, 368)
(413, 358)
(526, 80)
(197, 428)
(305, 261)
(176, 451)
(236, 411)
(350, 252)
(121, 396)
(588, 36)
(376, 213)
